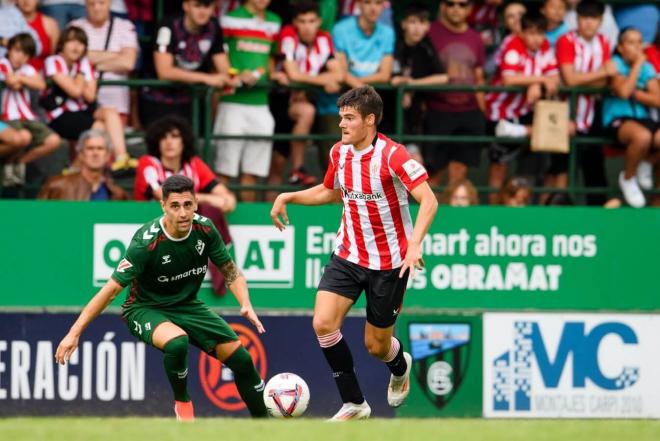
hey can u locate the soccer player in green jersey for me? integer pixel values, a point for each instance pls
(165, 265)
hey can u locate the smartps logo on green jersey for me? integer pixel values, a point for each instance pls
(263, 254)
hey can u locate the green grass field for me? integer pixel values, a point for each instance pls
(220, 429)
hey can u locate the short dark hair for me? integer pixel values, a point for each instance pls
(365, 100)
(416, 10)
(533, 20)
(161, 127)
(590, 8)
(623, 31)
(177, 184)
(301, 7)
(24, 42)
(71, 33)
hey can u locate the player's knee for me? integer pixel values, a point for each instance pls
(240, 362)
(323, 326)
(177, 347)
(376, 348)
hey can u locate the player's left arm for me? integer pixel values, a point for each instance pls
(238, 286)
(428, 206)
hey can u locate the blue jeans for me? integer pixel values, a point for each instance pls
(64, 13)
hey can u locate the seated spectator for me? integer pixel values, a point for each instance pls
(527, 60)
(92, 182)
(484, 18)
(20, 78)
(462, 56)
(45, 27)
(460, 194)
(12, 22)
(515, 192)
(554, 12)
(608, 26)
(308, 59)
(112, 50)
(63, 11)
(188, 49)
(246, 111)
(171, 150)
(626, 113)
(71, 103)
(584, 59)
(416, 63)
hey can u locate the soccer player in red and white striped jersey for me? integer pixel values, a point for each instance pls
(308, 55)
(377, 245)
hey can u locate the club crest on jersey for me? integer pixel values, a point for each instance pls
(413, 169)
(124, 265)
(200, 246)
(166, 259)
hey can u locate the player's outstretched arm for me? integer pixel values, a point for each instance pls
(317, 195)
(428, 206)
(95, 306)
(238, 287)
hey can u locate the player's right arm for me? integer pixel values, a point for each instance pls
(317, 195)
(95, 306)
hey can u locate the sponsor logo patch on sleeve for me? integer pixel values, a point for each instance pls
(124, 265)
(413, 169)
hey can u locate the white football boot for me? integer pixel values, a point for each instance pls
(399, 387)
(352, 411)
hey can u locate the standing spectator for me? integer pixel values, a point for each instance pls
(529, 61)
(251, 33)
(462, 55)
(416, 63)
(554, 12)
(71, 103)
(45, 27)
(63, 11)
(584, 59)
(635, 88)
(608, 26)
(20, 78)
(460, 194)
(92, 182)
(308, 59)
(113, 51)
(188, 49)
(12, 22)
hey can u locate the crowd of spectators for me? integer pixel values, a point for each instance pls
(54, 53)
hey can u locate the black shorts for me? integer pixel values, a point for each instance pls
(648, 123)
(502, 153)
(384, 288)
(70, 125)
(438, 154)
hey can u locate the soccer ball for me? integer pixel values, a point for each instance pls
(286, 395)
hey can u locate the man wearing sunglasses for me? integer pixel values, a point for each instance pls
(462, 55)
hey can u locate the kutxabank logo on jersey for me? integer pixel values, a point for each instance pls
(573, 365)
(441, 353)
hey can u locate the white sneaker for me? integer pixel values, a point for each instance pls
(507, 129)
(645, 175)
(13, 174)
(399, 387)
(631, 191)
(351, 411)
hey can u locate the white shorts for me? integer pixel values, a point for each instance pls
(250, 157)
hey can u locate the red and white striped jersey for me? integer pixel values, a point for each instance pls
(56, 64)
(16, 103)
(374, 184)
(516, 59)
(585, 56)
(310, 59)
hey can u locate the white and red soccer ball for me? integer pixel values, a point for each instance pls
(286, 395)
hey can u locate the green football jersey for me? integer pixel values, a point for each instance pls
(251, 42)
(164, 271)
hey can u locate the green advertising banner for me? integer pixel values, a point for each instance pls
(446, 377)
(481, 258)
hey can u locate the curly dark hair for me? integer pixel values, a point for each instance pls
(169, 123)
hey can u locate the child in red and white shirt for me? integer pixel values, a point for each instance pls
(19, 77)
(526, 60)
